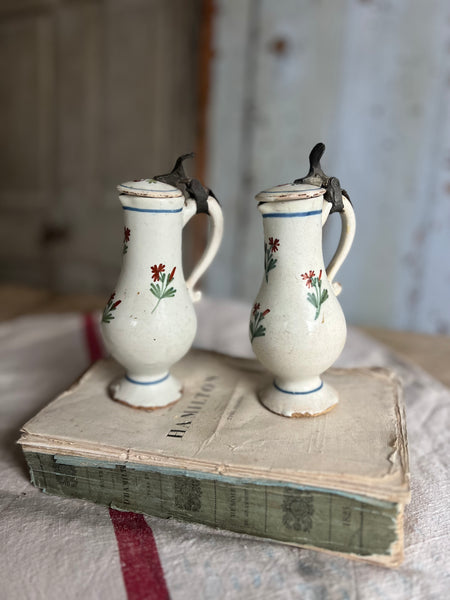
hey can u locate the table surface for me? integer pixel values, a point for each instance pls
(431, 352)
(57, 547)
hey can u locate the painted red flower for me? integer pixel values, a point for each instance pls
(116, 304)
(157, 270)
(126, 234)
(172, 275)
(256, 307)
(266, 312)
(274, 244)
(308, 278)
(320, 275)
(111, 298)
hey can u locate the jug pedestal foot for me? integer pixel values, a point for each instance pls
(290, 400)
(146, 393)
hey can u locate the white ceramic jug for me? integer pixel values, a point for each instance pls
(297, 327)
(149, 322)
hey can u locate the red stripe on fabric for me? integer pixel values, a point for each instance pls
(142, 571)
(92, 340)
(141, 568)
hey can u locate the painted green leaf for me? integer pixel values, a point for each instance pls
(312, 298)
(324, 296)
(155, 290)
(260, 332)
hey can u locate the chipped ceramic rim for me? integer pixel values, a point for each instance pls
(289, 191)
(147, 192)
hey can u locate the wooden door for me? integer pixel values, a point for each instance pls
(92, 93)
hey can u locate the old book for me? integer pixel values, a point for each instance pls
(338, 482)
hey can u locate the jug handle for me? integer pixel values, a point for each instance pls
(345, 242)
(212, 208)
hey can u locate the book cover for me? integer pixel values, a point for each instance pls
(338, 482)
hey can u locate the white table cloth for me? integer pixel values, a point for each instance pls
(54, 548)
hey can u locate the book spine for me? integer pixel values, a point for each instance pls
(306, 517)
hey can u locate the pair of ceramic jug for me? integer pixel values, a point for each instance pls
(297, 327)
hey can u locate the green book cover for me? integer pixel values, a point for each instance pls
(337, 482)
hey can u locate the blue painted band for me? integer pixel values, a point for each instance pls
(298, 214)
(153, 210)
(298, 393)
(146, 382)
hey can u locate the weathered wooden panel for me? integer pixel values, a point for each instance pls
(133, 88)
(227, 165)
(152, 125)
(371, 80)
(92, 93)
(390, 121)
(27, 142)
(26, 106)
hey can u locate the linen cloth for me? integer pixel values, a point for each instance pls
(56, 548)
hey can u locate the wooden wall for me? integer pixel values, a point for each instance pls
(371, 79)
(92, 93)
(95, 92)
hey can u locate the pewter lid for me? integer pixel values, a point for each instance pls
(315, 183)
(290, 191)
(149, 188)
